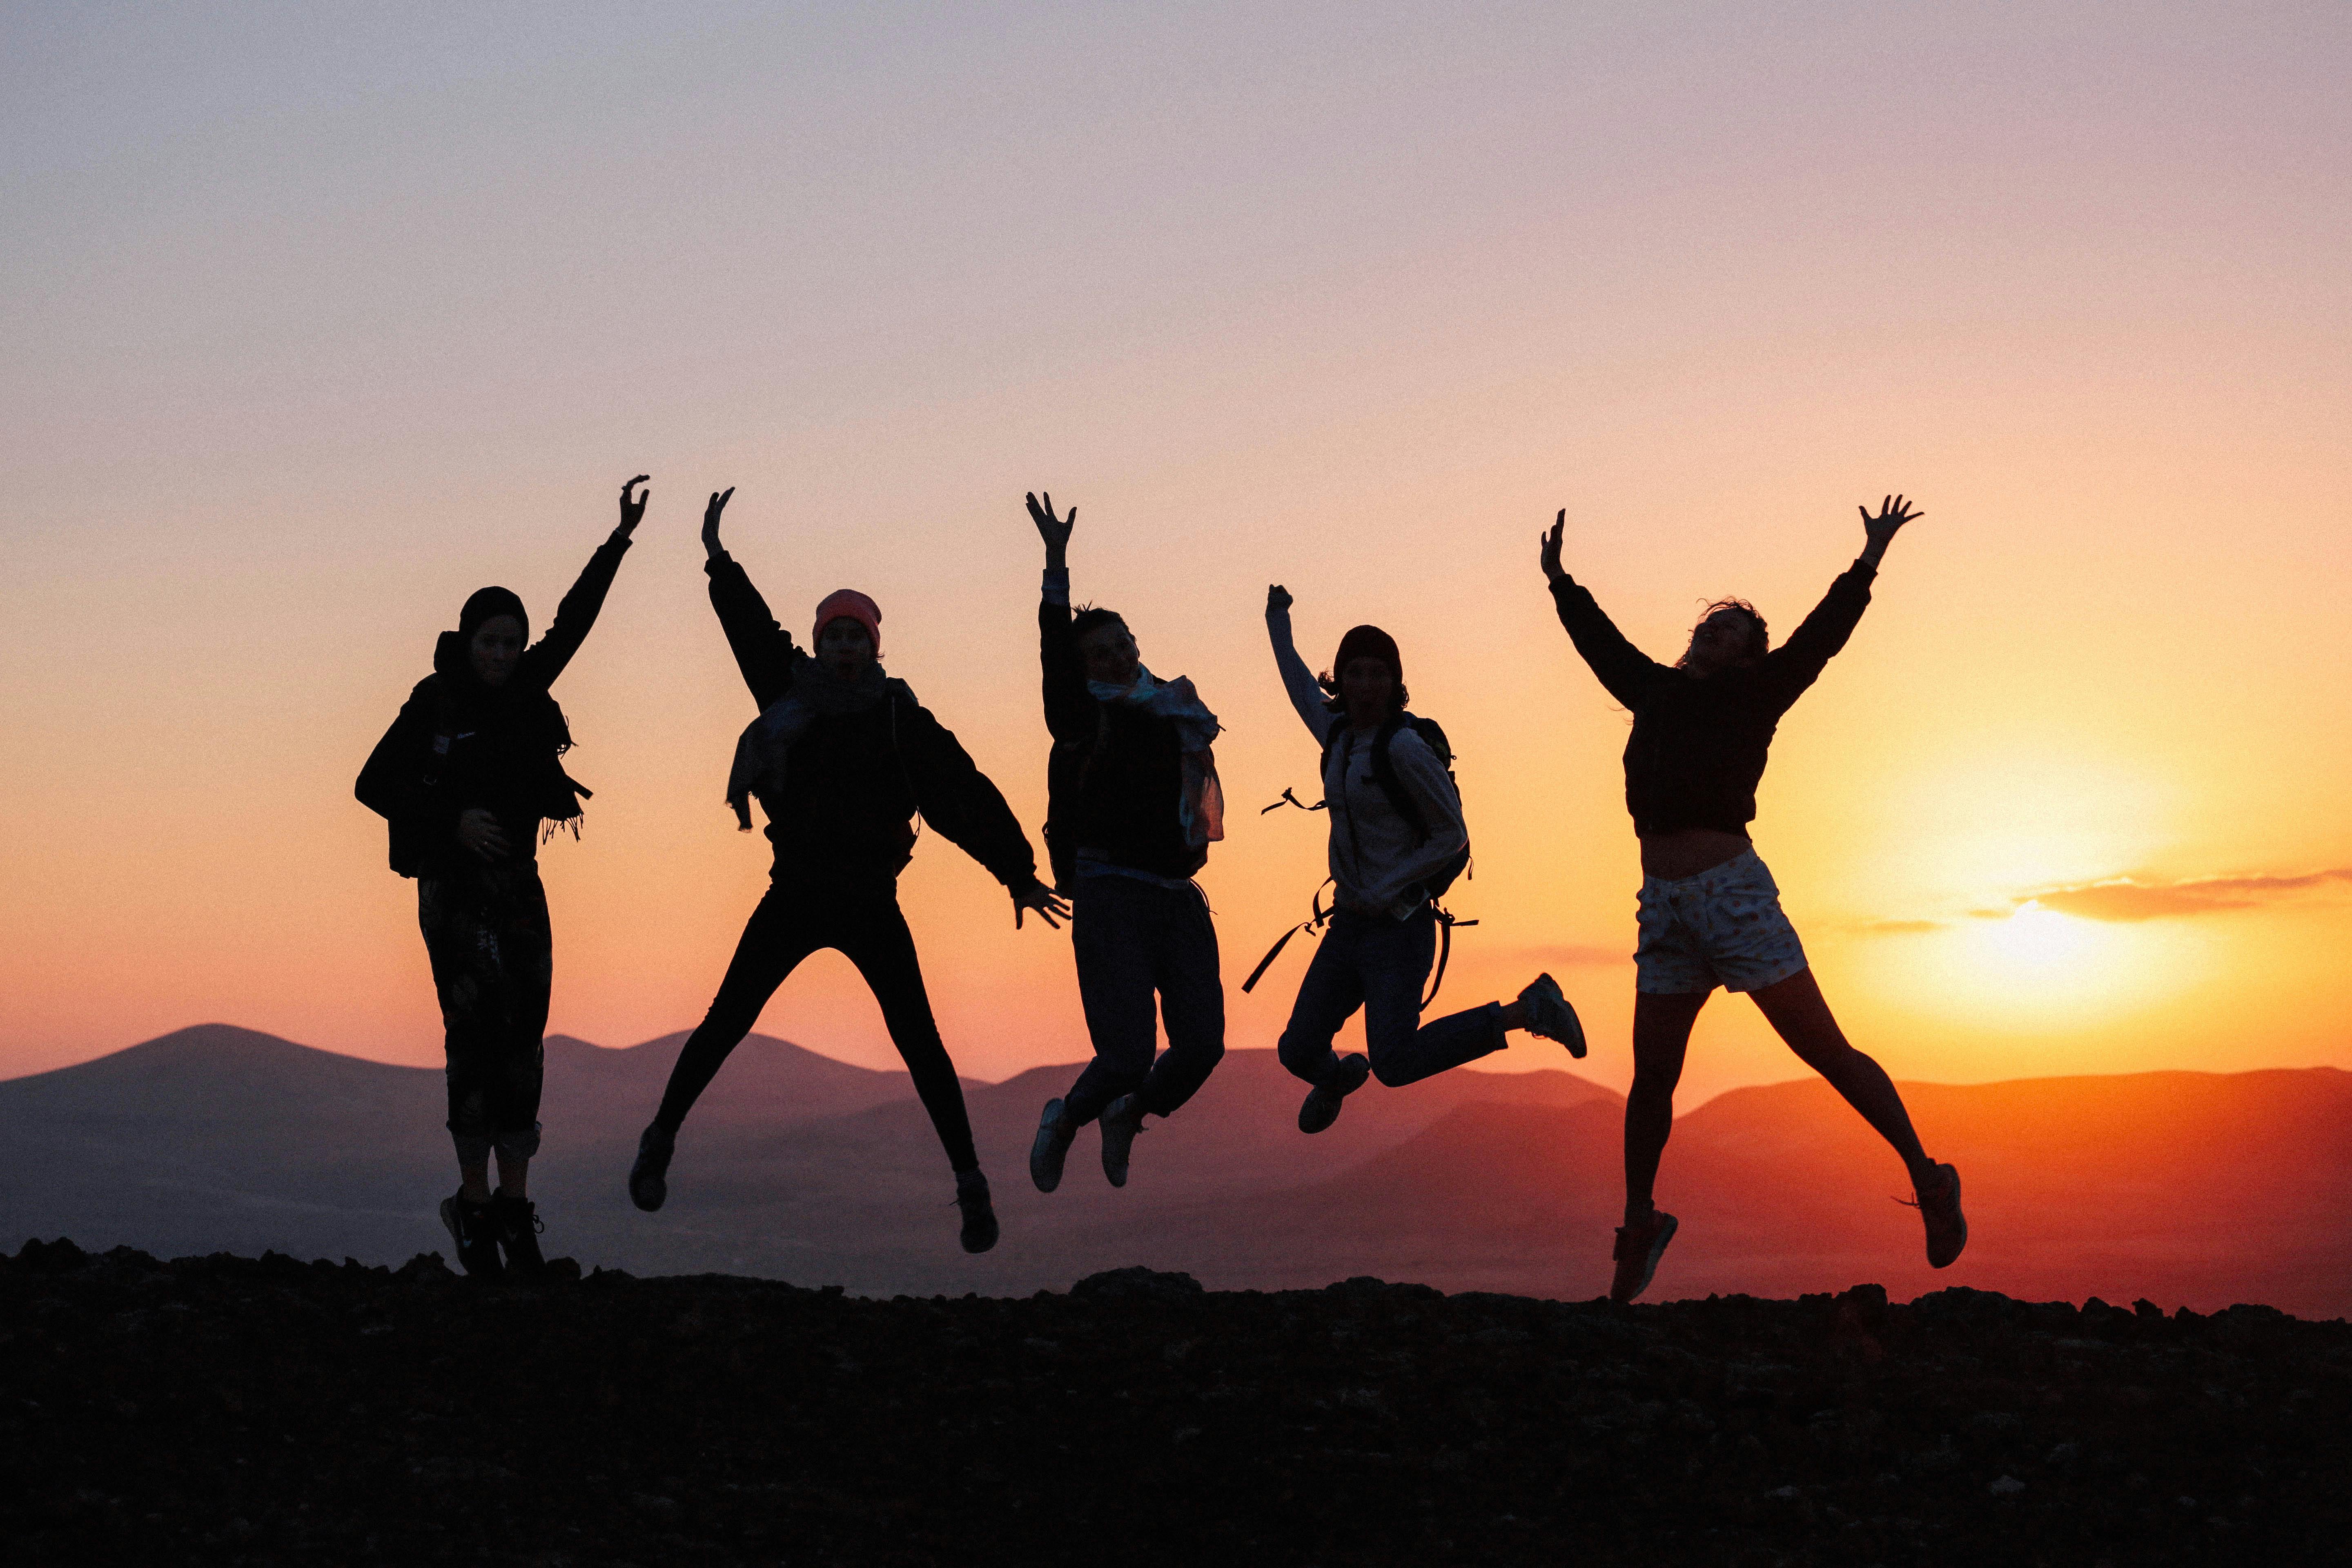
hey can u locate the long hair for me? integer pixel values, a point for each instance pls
(1759, 641)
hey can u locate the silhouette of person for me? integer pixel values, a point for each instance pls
(1710, 913)
(466, 776)
(1396, 833)
(1133, 806)
(841, 758)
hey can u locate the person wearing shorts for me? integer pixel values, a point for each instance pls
(1710, 913)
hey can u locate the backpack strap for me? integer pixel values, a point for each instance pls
(1446, 925)
(1321, 916)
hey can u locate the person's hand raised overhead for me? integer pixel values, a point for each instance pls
(1893, 513)
(1549, 553)
(633, 508)
(1277, 600)
(719, 500)
(1053, 531)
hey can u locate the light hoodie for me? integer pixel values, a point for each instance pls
(1373, 858)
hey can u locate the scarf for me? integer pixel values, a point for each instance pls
(763, 753)
(1201, 805)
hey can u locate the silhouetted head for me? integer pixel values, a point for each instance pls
(1730, 634)
(1367, 678)
(848, 634)
(492, 629)
(1106, 646)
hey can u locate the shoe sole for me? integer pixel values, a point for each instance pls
(1963, 1244)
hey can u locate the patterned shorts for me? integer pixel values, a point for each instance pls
(1723, 927)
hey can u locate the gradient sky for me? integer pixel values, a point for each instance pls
(317, 318)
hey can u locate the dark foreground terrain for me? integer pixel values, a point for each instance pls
(234, 1410)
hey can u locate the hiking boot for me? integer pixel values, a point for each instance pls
(517, 1221)
(1321, 1106)
(648, 1183)
(1121, 1121)
(1639, 1247)
(476, 1231)
(979, 1213)
(1939, 1209)
(1051, 1148)
(1550, 1015)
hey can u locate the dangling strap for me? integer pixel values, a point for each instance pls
(1290, 799)
(1446, 925)
(1321, 915)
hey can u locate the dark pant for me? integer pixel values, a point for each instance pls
(1133, 939)
(493, 960)
(1379, 965)
(860, 920)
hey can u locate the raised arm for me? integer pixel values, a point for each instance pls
(1796, 663)
(1307, 696)
(1623, 670)
(764, 651)
(576, 615)
(1069, 708)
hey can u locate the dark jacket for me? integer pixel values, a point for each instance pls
(503, 744)
(856, 780)
(1698, 745)
(1115, 779)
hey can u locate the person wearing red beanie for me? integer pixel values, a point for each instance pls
(840, 758)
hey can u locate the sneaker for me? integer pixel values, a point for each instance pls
(648, 1183)
(1321, 1106)
(517, 1221)
(979, 1213)
(1550, 1015)
(1052, 1147)
(475, 1233)
(1938, 1205)
(1639, 1247)
(1121, 1121)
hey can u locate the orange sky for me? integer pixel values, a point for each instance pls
(314, 330)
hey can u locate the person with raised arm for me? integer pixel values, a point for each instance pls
(1133, 806)
(841, 758)
(1710, 913)
(467, 777)
(1397, 838)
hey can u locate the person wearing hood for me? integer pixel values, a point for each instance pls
(840, 758)
(1133, 806)
(470, 777)
(1397, 832)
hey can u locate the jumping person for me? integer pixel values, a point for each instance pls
(1710, 913)
(841, 758)
(1396, 831)
(1133, 806)
(465, 777)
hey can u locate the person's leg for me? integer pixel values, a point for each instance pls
(1798, 1013)
(1110, 938)
(1191, 999)
(873, 935)
(1328, 997)
(1396, 962)
(525, 962)
(451, 915)
(780, 932)
(1662, 1030)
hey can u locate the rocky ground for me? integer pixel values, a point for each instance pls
(234, 1410)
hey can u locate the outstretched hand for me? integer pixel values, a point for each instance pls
(1893, 513)
(1053, 531)
(1044, 899)
(1549, 553)
(1277, 600)
(710, 522)
(633, 508)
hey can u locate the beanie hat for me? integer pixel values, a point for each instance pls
(848, 604)
(487, 603)
(1368, 642)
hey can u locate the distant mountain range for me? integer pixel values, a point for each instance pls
(2195, 1188)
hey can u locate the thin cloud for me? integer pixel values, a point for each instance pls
(1561, 955)
(2136, 898)
(1895, 928)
